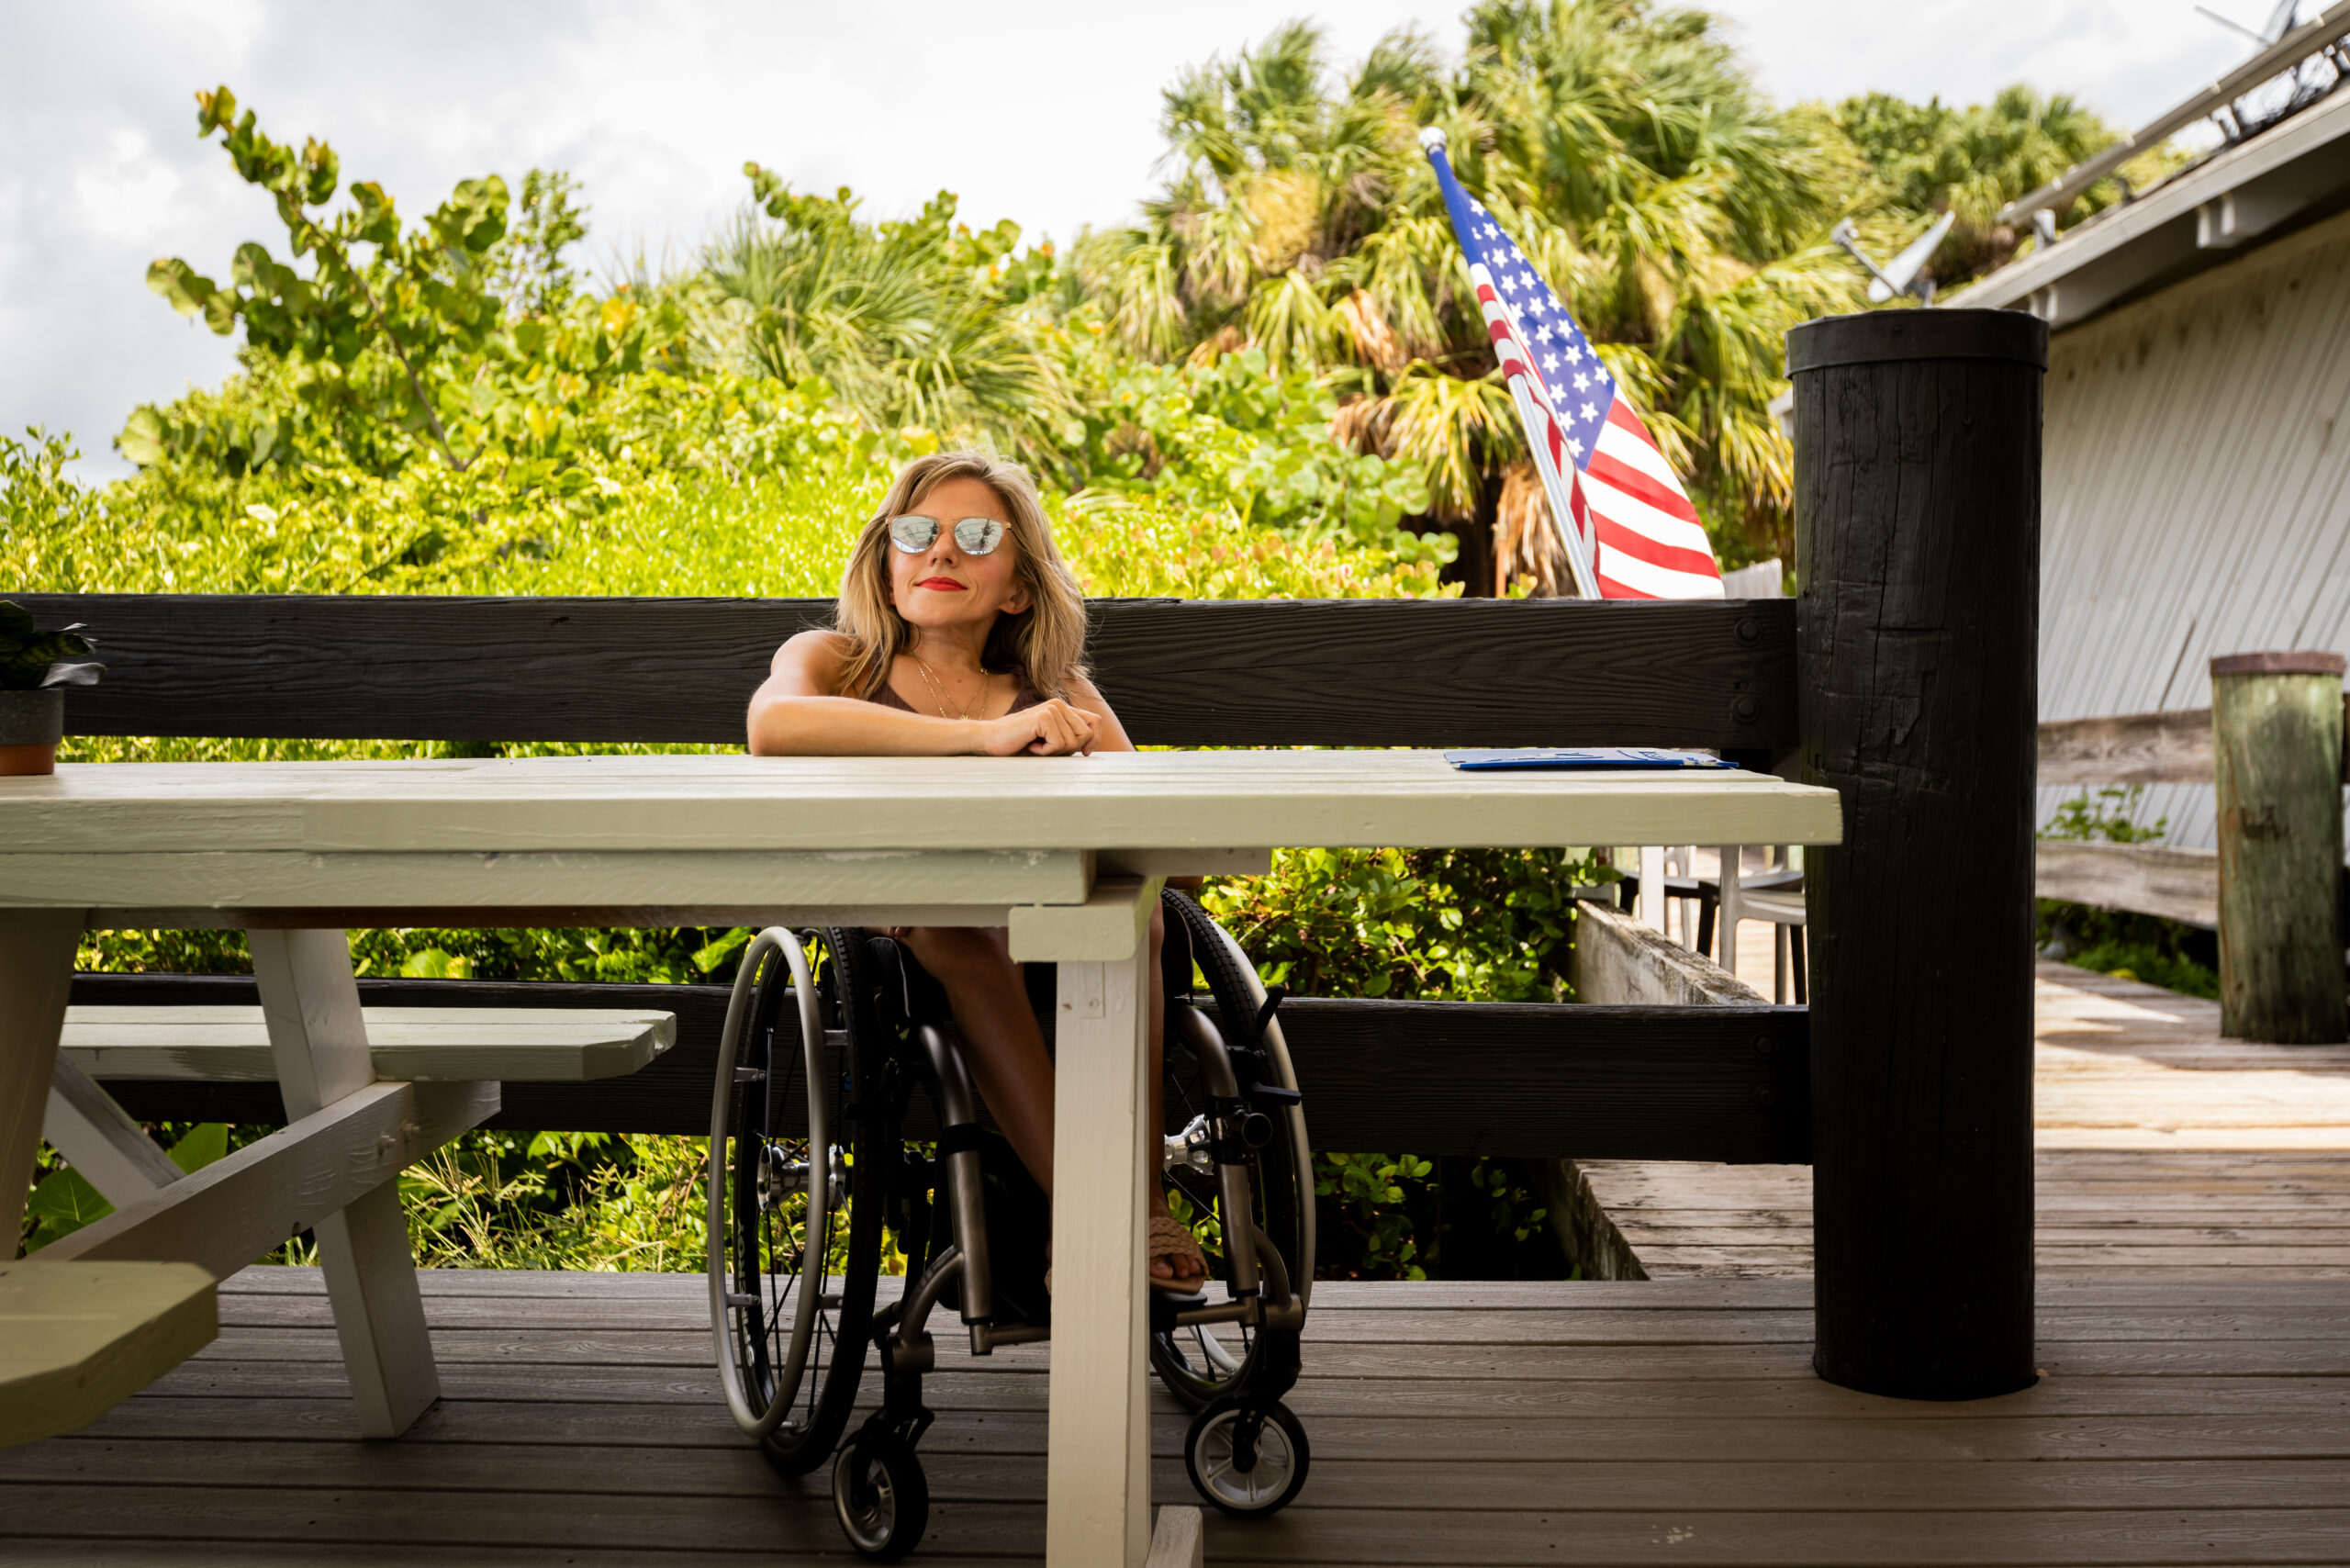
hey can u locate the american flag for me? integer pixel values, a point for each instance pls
(1633, 527)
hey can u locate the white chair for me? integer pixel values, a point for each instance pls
(1773, 894)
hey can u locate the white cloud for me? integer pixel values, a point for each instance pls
(1045, 112)
(2129, 59)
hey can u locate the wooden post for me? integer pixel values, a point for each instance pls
(319, 1039)
(2277, 760)
(1917, 550)
(36, 949)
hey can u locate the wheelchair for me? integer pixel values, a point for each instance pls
(861, 1127)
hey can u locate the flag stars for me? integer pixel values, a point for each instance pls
(1575, 447)
(1582, 381)
(1591, 410)
(1551, 361)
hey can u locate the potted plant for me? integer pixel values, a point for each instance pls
(35, 667)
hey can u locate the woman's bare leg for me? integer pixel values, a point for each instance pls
(1006, 1046)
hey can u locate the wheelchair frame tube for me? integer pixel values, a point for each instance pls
(965, 1183)
(1232, 1181)
(1277, 1049)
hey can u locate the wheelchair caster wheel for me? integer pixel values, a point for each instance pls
(880, 1497)
(1247, 1462)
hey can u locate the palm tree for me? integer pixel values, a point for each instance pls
(917, 323)
(1680, 216)
(1928, 158)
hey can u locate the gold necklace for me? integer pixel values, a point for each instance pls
(938, 692)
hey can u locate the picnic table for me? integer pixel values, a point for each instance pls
(1067, 853)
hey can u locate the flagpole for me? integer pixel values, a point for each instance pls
(1529, 421)
(1554, 488)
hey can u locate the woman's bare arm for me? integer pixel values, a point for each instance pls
(1108, 734)
(793, 713)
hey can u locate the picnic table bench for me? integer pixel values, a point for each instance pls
(109, 1307)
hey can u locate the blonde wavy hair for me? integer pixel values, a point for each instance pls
(1045, 643)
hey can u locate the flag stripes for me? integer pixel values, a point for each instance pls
(1619, 505)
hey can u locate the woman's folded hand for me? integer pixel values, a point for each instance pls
(1052, 728)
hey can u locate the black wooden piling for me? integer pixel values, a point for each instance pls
(1917, 550)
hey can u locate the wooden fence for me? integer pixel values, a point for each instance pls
(2275, 887)
(2172, 747)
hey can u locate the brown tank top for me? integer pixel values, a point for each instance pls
(1026, 697)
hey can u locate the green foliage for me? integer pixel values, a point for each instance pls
(42, 509)
(527, 268)
(395, 337)
(62, 1201)
(1402, 1217)
(2156, 962)
(1237, 438)
(592, 1201)
(2120, 942)
(1462, 925)
(1366, 1191)
(921, 323)
(1928, 158)
(2110, 816)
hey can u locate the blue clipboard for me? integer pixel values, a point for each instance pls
(1581, 758)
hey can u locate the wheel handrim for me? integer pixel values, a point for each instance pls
(774, 1322)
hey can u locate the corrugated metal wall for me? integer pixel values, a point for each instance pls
(2197, 491)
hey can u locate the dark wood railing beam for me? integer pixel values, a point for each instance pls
(1432, 1077)
(1202, 672)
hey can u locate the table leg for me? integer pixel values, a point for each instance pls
(1098, 1470)
(36, 976)
(319, 1039)
(1731, 909)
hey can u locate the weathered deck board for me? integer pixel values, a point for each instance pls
(2188, 1421)
(2161, 1147)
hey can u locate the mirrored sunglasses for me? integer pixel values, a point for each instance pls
(974, 535)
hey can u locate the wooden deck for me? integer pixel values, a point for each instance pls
(2161, 1147)
(2195, 1407)
(2178, 1421)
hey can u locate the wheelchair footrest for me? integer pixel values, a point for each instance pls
(1163, 1308)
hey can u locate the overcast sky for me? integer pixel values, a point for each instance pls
(1041, 110)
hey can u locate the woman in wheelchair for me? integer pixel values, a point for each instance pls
(960, 632)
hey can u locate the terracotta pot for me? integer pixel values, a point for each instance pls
(31, 724)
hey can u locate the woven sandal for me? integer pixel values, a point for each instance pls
(1169, 1237)
(1173, 1239)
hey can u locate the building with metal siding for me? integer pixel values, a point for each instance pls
(2196, 496)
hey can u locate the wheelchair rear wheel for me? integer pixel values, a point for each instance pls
(796, 1168)
(1201, 1362)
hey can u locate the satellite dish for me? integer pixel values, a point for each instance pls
(1901, 276)
(1897, 279)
